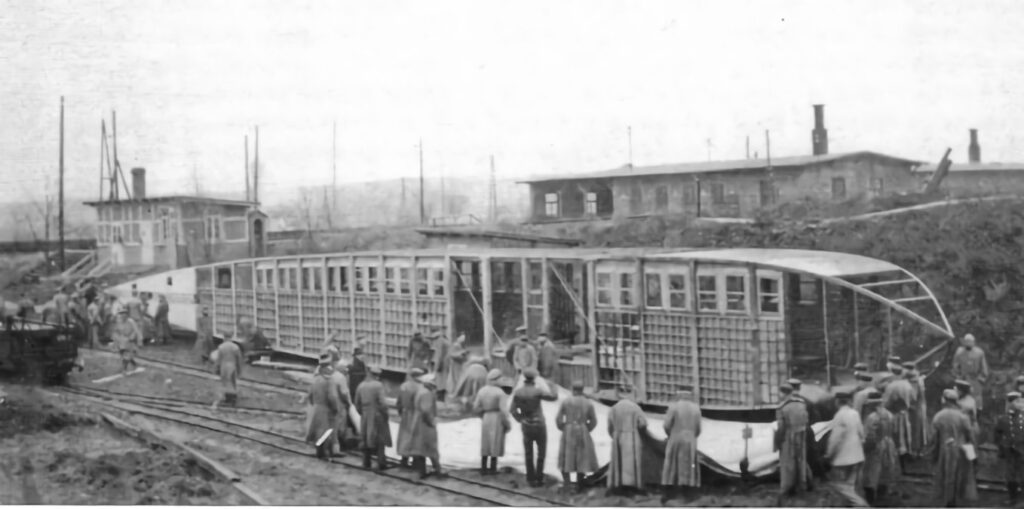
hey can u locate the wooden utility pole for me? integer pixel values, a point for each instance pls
(248, 191)
(256, 169)
(60, 214)
(494, 194)
(423, 211)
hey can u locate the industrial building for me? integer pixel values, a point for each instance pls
(736, 188)
(976, 178)
(176, 231)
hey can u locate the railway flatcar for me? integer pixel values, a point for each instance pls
(729, 324)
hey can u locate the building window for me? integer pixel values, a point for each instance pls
(389, 280)
(717, 193)
(439, 282)
(224, 278)
(343, 279)
(689, 194)
(360, 279)
(838, 188)
(260, 283)
(769, 291)
(707, 293)
(422, 282)
(235, 229)
(653, 284)
(736, 293)
(590, 204)
(551, 204)
(213, 228)
(604, 288)
(768, 193)
(371, 276)
(625, 289)
(318, 281)
(282, 278)
(661, 198)
(404, 285)
(332, 282)
(269, 278)
(877, 186)
(636, 199)
(293, 278)
(808, 290)
(677, 295)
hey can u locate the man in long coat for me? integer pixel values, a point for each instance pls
(682, 426)
(1009, 437)
(204, 336)
(576, 419)
(626, 421)
(918, 412)
(162, 320)
(846, 451)
(525, 357)
(474, 378)
(968, 405)
(126, 337)
(423, 440)
(440, 347)
(528, 412)
(419, 352)
(323, 398)
(407, 412)
(448, 381)
(339, 383)
(547, 357)
(899, 397)
(969, 364)
(375, 433)
(489, 404)
(814, 456)
(356, 371)
(791, 442)
(954, 474)
(881, 462)
(228, 360)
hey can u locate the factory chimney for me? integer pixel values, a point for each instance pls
(819, 136)
(138, 183)
(974, 150)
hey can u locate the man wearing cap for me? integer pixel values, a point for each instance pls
(440, 348)
(899, 397)
(885, 380)
(510, 352)
(576, 419)
(204, 336)
(860, 394)
(228, 361)
(626, 421)
(791, 442)
(325, 405)
(423, 440)
(419, 352)
(356, 371)
(339, 383)
(880, 458)
(375, 433)
(489, 404)
(528, 412)
(814, 461)
(918, 412)
(525, 356)
(954, 473)
(859, 368)
(846, 451)
(968, 405)
(474, 378)
(1009, 437)
(126, 336)
(407, 412)
(547, 357)
(682, 426)
(969, 364)
(161, 320)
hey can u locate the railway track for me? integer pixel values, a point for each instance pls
(479, 492)
(180, 402)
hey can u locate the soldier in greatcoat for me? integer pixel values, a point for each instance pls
(969, 365)
(1009, 436)
(547, 357)
(339, 383)
(407, 412)
(419, 352)
(440, 347)
(899, 397)
(525, 357)
(529, 413)
(375, 433)
(325, 405)
(881, 461)
(489, 404)
(576, 419)
(918, 412)
(682, 426)
(626, 421)
(846, 450)
(448, 380)
(204, 336)
(791, 442)
(814, 460)
(474, 378)
(954, 473)
(127, 338)
(356, 371)
(968, 405)
(423, 441)
(228, 361)
(162, 320)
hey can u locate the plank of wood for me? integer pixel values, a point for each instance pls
(111, 378)
(282, 365)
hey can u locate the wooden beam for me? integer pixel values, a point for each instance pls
(486, 302)
(302, 312)
(856, 328)
(524, 274)
(824, 313)
(755, 337)
(351, 268)
(324, 292)
(382, 286)
(545, 285)
(277, 302)
(592, 326)
(694, 329)
(641, 297)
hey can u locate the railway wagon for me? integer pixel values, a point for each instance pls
(729, 324)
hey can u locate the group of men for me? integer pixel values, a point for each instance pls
(883, 422)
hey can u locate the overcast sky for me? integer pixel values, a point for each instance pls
(546, 86)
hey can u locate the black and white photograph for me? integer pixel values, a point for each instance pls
(729, 253)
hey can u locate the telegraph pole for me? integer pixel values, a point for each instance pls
(494, 194)
(256, 169)
(248, 192)
(60, 213)
(423, 212)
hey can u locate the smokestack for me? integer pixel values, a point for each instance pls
(138, 183)
(819, 136)
(974, 150)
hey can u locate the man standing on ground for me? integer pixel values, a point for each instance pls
(969, 365)
(204, 336)
(954, 474)
(510, 352)
(626, 421)
(126, 338)
(162, 320)
(918, 412)
(576, 419)
(423, 442)
(339, 385)
(791, 442)
(547, 357)
(325, 407)
(899, 398)
(968, 405)
(682, 426)
(489, 404)
(94, 322)
(880, 458)
(375, 433)
(228, 359)
(528, 412)
(356, 371)
(1009, 436)
(474, 378)
(407, 412)
(419, 352)
(846, 451)
(525, 356)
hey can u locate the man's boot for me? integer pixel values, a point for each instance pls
(494, 465)
(1014, 491)
(421, 466)
(579, 482)
(484, 461)
(366, 458)
(405, 462)
(438, 471)
(869, 496)
(566, 481)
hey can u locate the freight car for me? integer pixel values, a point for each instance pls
(729, 324)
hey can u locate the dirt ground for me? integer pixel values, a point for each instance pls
(62, 454)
